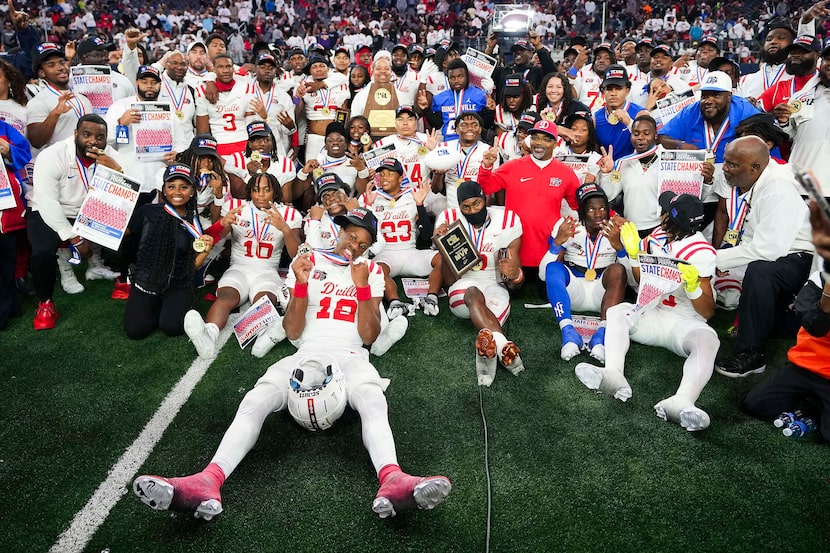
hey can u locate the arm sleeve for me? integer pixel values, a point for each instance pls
(129, 62)
(425, 229)
(491, 181)
(19, 153)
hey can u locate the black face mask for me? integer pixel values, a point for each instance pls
(477, 219)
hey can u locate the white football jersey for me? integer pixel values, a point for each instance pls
(256, 244)
(587, 85)
(397, 220)
(437, 83)
(331, 98)
(508, 147)
(578, 246)
(502, 227)
(408, 85)
(227, 115)
(322, 234)
(406, 151)
(466, 169)
(694, 250)
(281, 167)
(331, 317)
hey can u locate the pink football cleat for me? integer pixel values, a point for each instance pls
(401, 491)
(197, 494)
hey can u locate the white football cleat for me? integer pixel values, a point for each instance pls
(486, 360)
(430, 305)
(396, 309)
(402, 491)
(194, 327)
(682, 411)
(69, 282)
(268, 339)
(390, 335)
(101, 273)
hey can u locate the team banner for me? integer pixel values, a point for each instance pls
(415, 287)
(7, 199)
(154, 134)
(254, 321)
(669, 107)
(679, 171)
(107, 208)
(579, 165)
(658, 276)
(375, 157)
(481, 66)
(94, 82)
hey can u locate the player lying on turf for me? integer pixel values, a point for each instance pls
(334, 308)
(677, 322)
(481, 294)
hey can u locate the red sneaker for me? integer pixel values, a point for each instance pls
(401, 491)
(197, 494)
(45, 316)
(121, 290)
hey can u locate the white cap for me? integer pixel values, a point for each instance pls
(716, 81)
(194, 44)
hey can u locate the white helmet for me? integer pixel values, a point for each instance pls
(317, 395)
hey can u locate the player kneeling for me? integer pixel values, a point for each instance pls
(677, 322)
(481, 294)
(334, 307)
(258, 228)
(581, 270)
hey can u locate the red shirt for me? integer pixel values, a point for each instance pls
(535, 195)
(781, 92)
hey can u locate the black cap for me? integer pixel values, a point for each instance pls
(720, 60)
(344, 50)
(469, 189)
(528, 119)
(685, 210)
(711, 40)
(661, 49)
(578, 115)
(92, 43)
(417, 49)
(391, 164)
(805, 42)
(317, 58)
(400, 47)
(258, 128)
(326, 182)
(604, 46)
(359, 217)
(204, 145)
(645, 41)
(296, 51)
(589, 190)
(148, 71)
(513, 84)
(579, 41)
(615, 75)
(781, 23)
(179, 171)
(334, 126)
(570, 50)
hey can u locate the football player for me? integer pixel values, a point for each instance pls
(334, 307)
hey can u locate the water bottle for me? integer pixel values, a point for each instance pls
(796, 429)
(787, 417)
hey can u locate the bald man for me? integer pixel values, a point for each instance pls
(762, 227)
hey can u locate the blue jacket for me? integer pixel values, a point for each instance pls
(444, 103)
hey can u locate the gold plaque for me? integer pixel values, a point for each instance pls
(382, 96)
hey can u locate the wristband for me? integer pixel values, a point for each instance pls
(363, 173)
(301, 175)
(301, 290)
(694, 294)
(219, 201)
(364, 293)
(622, 253)
(556, 250)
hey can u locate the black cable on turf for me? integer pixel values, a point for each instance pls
(486, 470)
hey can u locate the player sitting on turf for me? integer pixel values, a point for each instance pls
(258, 229)
(581, 270)
(481, 294)
(335, 308)
(677, 323)
(403, 218)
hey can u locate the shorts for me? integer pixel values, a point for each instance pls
(662, 328)
(496, 297)
(411, 263)
(586, 295)
(250, 284)
(355, 366)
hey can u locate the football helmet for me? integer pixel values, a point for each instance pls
(317, 395)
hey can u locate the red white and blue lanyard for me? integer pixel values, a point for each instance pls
(461, 168)
(178, 103)
(775, 79)
(478, 235)
(82, 174)
(76, 105)
(738, 208)
(334, 258)
(592, 249)
(714, 138)
(194, 228)
(259, 233)
(651, 151)
(268, 99)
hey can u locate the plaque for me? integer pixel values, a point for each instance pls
(341, 116)
(457, 249)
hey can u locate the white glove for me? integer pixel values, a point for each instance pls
(487, 85)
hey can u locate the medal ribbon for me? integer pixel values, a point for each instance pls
(458, 102)
(808, 87)
(462, 168)
(478, 236)
(737, 208)
(178, 103)
(259, 234)
(76, 105)
(592, 249)
(269, 99)
(713, 138)
(82, 174)
(192, 71)
(324, 97)
(625, 109)
(647, 153)
(194, 228)
(334, 258)
(411, 140)
(391, 198)
(775, 79)
(659, 239)
(328, 163)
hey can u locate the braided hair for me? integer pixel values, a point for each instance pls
(272, 182)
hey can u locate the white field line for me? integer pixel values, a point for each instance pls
(120, 476)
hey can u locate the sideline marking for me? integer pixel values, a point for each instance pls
(120, 476)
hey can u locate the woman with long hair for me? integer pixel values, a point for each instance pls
(555, 100)
(516, 97)
(13, 98)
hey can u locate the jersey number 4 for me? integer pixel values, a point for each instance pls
(344, 310)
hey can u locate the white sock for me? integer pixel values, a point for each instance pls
(617, 340)
(702, 346)
(565, 322)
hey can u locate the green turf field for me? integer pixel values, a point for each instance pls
(571, 471)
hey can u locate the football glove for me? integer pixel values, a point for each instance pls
(630, 238)
(690, 277)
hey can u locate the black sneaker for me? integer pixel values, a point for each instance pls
(739, 365)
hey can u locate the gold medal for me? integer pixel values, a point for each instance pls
(710, 158)
(326, 111)
(422, 150)
(317, 173)
(199, 245)
(391, 203)
(365, 139)
(613, 119)
(731, 237)
(180, 114)
(616, 176)
(795, 106)
(256, 156)
(590, 274)
(477, 267)
(550, 116)
(459, 181)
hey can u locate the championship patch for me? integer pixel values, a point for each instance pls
(317, 274)
(555, 181)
